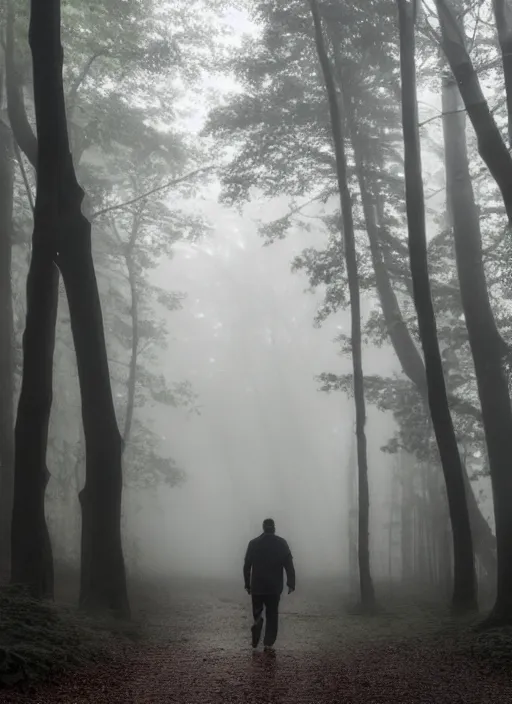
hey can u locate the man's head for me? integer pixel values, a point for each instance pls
(269, 526)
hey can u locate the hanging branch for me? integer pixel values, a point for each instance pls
(169, 184)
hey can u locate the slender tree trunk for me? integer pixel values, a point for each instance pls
(6, 352)
(18, 119)
(352, 515)
(103, 577)
(366, 583)
(134, 312)
(132, 375)
(465, 587)
(484, 338)
(406, 523)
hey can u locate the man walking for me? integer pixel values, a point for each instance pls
(266, 558)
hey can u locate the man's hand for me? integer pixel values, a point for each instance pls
(291, 590)
(248, 590)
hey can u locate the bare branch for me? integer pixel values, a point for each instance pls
(24, 176)
(158, 189)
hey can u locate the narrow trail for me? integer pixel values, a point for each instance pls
(201, 655)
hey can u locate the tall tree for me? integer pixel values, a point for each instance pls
(31, 556)
(464, 588)
(6, 348)
(103, 578)
(365, 579)
(487, 345)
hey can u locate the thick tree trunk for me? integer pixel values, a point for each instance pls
(6, 352)
(491, 146)
(464, 592)
(366, 583)
(484, 338)
(103, 578)
(31, 554)
(31, 558)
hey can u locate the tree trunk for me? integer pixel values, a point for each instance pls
(406, 524)
(352, 516)
(491, 146)
(103, 577)
(31, 558)
(366, 583)
(18, 119)
(134, 312)
(465, 585)
(484, 338)
(6, 352)
(31, 554)
(408, 355)
(503, 15)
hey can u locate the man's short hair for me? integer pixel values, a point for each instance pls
(269, 526)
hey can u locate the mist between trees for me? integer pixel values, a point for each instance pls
(255, 261)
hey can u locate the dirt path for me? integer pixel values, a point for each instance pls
(201, 655)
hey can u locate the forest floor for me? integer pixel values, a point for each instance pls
(196, 650)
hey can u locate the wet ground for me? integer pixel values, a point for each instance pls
(200, 653)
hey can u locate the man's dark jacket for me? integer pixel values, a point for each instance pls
(266, 558)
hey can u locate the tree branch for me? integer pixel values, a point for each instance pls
(169, 184)
(20, 126)
(24, 176)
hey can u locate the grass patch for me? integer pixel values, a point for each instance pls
(40, 639)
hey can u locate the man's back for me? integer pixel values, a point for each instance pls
(267, 556)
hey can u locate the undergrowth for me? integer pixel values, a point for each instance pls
(40, 639)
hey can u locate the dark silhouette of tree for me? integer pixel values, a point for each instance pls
(6, 349)
(487, 345)
(64, 236)
(31, 556)
(365, 579)
(464, 588)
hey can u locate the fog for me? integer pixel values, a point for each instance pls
(255, 264)
(228, 423)
(266, 441)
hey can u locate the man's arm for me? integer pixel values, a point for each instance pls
(248, 567)
(289, 569)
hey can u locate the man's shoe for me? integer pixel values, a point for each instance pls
(256, 632)
(269, 649)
